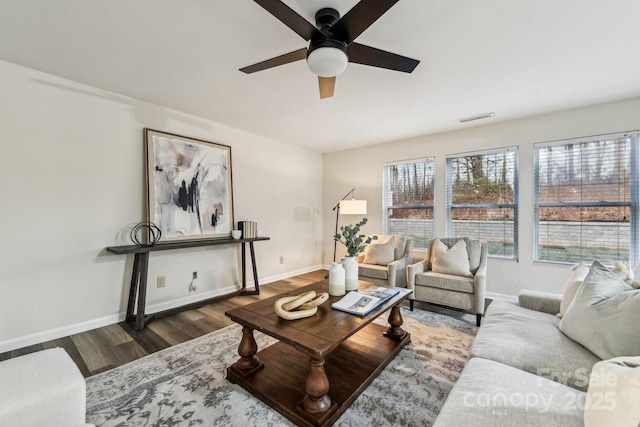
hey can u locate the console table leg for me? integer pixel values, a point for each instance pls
(133, 289)
(316, 386)
(248, 362)
(142, 290)
(244, 266)
(255, 270)
(395, 332)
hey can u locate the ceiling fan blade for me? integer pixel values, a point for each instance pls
(289, 17)
(327, 85)
(366, 55)
(296, 55)
(359, 18)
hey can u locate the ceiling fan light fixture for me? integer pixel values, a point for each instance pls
(327, 54)
(327, 58)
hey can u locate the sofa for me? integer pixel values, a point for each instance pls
(524, 369)
(44, 388)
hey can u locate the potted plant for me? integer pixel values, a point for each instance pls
(355, 243)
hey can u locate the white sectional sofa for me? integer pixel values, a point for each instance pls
(522, 370)
(529, 367)
(44, 388)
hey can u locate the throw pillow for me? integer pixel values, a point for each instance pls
(401, 243)
(623, 270)
(614, 393)
(451, 261)
(636, 273)
(380, 253)
(604, 315)
(578, 273)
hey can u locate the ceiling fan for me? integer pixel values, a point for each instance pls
(332, 42)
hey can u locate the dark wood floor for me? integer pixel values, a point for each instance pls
(105, 348)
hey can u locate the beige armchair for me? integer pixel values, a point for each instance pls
(445, 278)
(385, 261)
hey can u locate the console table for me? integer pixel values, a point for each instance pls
(138, 289)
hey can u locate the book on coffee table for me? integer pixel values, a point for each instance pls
(364, 301)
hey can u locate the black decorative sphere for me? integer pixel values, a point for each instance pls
(151, 230)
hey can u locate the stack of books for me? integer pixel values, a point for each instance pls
(249, 229)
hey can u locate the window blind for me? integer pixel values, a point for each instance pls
(482, 199)
(586, 199)
(408, 198)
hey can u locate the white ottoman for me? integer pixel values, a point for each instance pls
(44, 388)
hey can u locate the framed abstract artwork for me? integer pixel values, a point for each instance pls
(189, 187)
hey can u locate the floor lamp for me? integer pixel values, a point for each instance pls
(348, 207)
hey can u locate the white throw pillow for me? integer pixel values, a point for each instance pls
(380, 253)
(451, 261)
(401, 243)
(578, 273)
(636, 273)
(614, 393)
(624, 271)
(604, 315)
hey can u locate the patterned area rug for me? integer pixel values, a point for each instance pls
(185, 385)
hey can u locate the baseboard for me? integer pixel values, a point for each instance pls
(270, 279)
(190, 299)
(65, 331)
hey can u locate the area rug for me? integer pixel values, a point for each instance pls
(185, 385)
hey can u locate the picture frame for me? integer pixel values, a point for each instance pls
(189, 187)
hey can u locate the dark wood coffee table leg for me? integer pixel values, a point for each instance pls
(248, 363)
(316, 386)
(316, 404)
(395, 332)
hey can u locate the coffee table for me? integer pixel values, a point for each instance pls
(322, 363)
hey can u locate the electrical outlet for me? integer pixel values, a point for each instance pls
(281, 259)
(193, 286)
(162, 280)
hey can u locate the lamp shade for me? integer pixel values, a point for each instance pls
(327, 61)
(353, 207)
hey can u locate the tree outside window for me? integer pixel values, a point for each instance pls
(408, 199)
(482, 199)
(586, 200)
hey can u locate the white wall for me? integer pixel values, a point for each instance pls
(72, 178)
(362, 168)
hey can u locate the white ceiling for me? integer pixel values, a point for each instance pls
(512, 57)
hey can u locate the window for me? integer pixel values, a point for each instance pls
(482, 199)
(586, 200)
(407, 199)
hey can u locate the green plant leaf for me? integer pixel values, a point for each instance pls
(354, 242)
